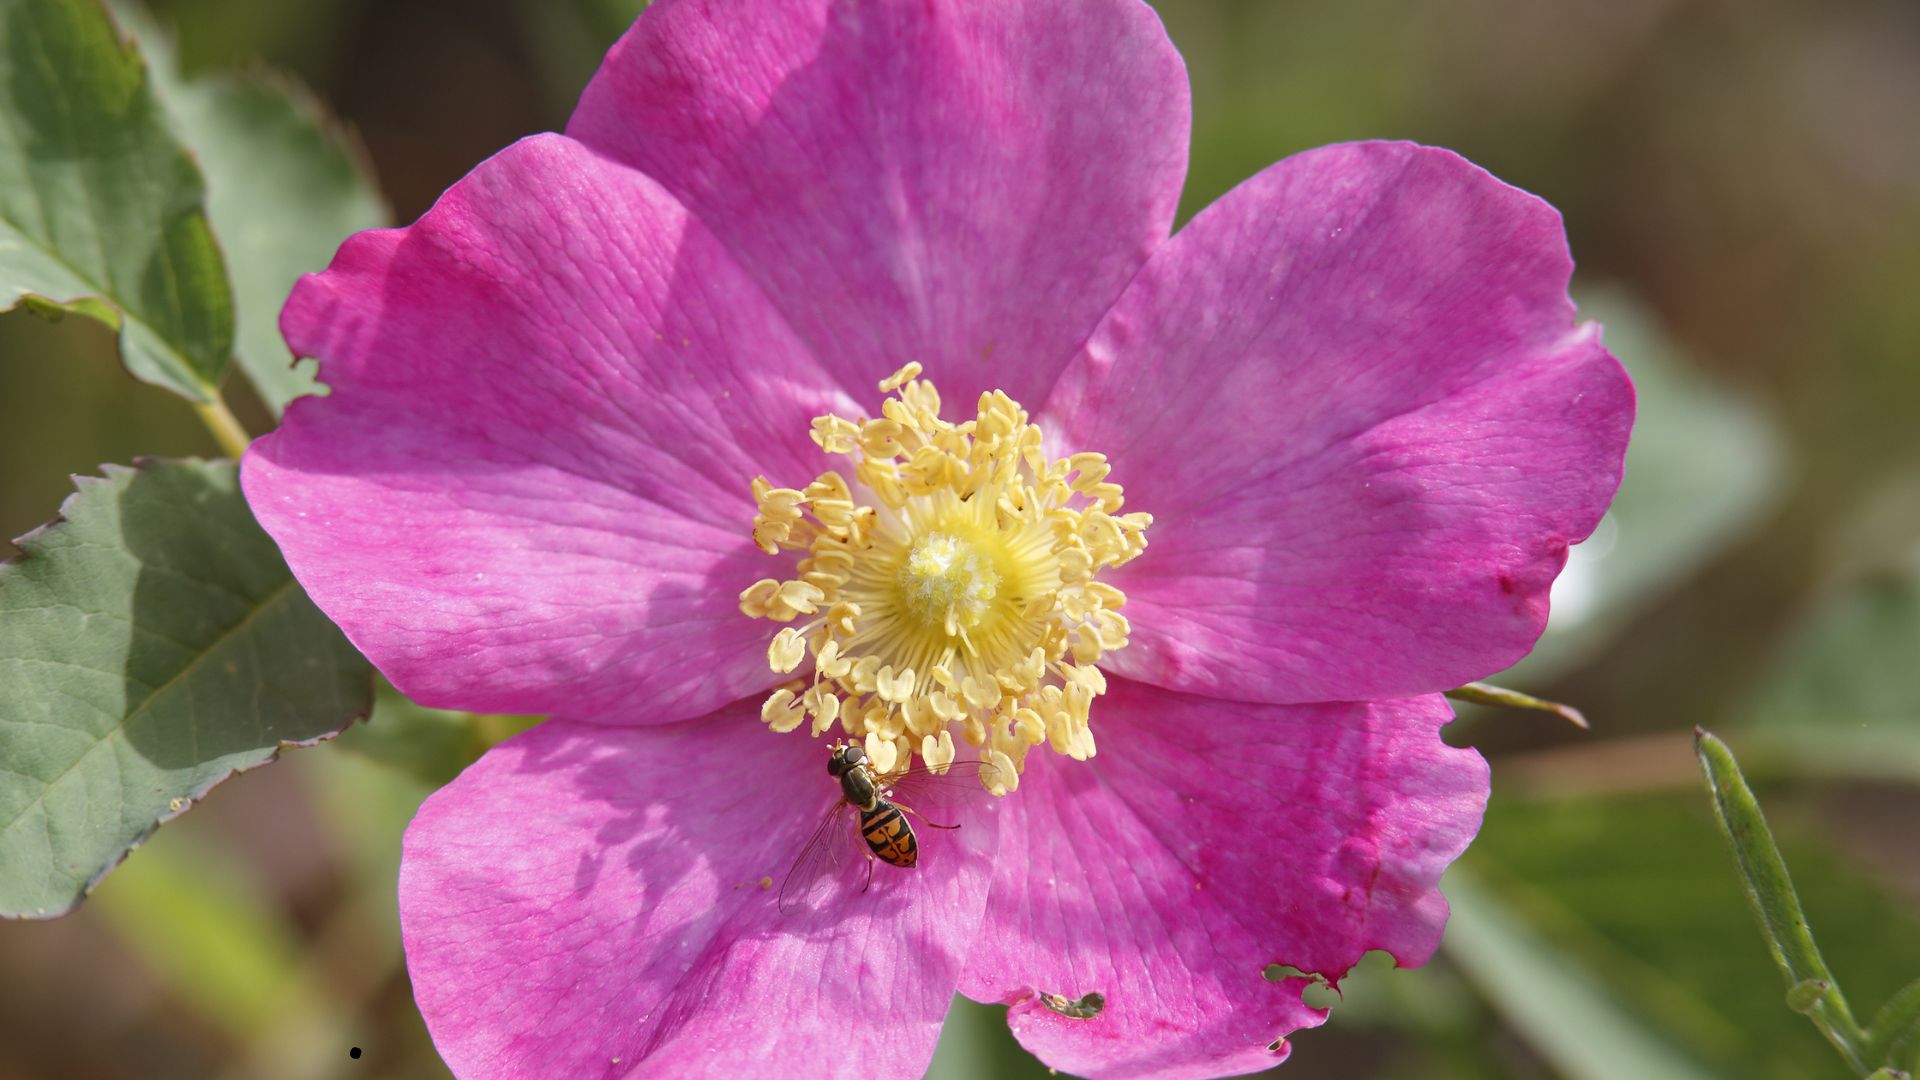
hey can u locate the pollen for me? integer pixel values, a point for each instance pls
(947, 584)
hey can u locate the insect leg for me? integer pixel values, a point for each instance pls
(869, 883)
(923, 817)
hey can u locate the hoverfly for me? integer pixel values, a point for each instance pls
(880, 803)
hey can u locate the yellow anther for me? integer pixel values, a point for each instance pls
(843, 617)
(835, 435)
(824, 580)
(1030, 727)
(906, 374)
(887, 723)
(1006, 776)
(1028, 672)
(824, 704)
(859, 525)
(829, 663)
(920, 718)
(1109, 496)
(1061, 732)
(881, 438)
(1091, 678)
(831, 486)
(782, 712)
(894, 687)
(980, 693)
(800, 596)
(1092, 468)
(957, 550)
(770, 536)
(923, 399)
(937, 750)
(786, 650)
(864, 678)
(755, 598)
(1076, 563)
(882, 754)
(782, 503)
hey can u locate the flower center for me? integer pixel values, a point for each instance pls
(947, 583)
(951, 584)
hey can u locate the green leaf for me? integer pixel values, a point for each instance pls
(100, 207)
(284, 188)
(1844, 694)
(1480, 693)
(1770, 891)
(152, 643)
(1563, 1011)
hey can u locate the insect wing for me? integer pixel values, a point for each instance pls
(834, 863)
(824, 865)
(940, 796)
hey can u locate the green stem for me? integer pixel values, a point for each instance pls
(1811, 987)
(226, 428)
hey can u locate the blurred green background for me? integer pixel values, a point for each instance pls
(1741, 181)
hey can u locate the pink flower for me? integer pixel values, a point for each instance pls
(1351, 396)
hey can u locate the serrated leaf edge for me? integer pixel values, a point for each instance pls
(27, 543)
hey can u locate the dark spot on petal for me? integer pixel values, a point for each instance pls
(1507, 584)
(1085, 1007)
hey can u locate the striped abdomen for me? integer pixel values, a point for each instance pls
(886, 831)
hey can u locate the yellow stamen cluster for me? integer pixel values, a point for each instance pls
(951, 581)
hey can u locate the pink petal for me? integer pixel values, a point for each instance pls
(596, 901)
(1206, 840)
(529, 489)
(967, 183)
(1353, 397)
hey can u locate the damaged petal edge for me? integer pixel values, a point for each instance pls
(1321, 992)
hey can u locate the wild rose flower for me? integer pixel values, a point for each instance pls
(1328, 445)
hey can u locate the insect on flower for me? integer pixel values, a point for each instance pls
(880, 802)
